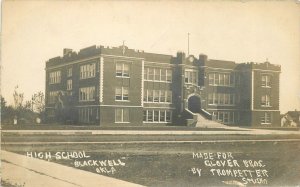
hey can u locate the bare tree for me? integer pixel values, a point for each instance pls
(38, 102)
(28, 105)
(18, 98)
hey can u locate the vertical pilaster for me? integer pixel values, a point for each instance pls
(142, 87)
(252, 90)
(101, 79)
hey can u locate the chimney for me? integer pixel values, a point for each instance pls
(66, 51)
(180, 57)
(202, 58)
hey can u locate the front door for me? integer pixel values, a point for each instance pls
(194, 104)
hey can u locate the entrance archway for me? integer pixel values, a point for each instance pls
(194, 104)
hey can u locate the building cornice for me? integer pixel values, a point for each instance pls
(87, 59)
(127, 57)
(73, 62)
(218, 68)
(266, 70)
(158, 63)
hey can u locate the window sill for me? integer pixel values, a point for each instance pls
(86, 100)
(123, 77)
(157, 81)
(121, 122)
(190, 83)
(55, 83)
(265, 123)
(266, 86)
(230, 86)
(87, 78)
(266, 106)
(221, 105)
(122, 100)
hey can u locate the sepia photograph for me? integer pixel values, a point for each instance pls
(150, 93)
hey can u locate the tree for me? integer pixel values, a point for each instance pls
(3, 108)
(20, 110)
(38, 102)
(18, 98)
(28, 105)
(7, 112)
(24, 111)
(3, 103)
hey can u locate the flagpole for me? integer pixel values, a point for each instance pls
(188, 44)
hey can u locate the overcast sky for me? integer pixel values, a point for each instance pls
(34, 31)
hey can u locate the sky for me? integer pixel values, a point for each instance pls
(241, 31)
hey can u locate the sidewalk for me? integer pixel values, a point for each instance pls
(20, 170)
(152, 132)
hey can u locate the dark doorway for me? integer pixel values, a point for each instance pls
(194, 104)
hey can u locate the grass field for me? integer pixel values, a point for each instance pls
(169, 164)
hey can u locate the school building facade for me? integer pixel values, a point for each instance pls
(121, 86)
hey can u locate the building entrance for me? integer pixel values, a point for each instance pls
(194, 104)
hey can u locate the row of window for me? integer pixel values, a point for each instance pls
(227, 79)
(122, 69)
(190, 77)
(225, 117)
(266, 81)
(155, 96)
(157, 116)
(87, 71)
(230, 118)
(266, 118)
(221, 79)
(158, 96)
(87, 94)
(55, 77)
(221, 99)
(157, 74)
(53, 96)
(229, 99)
(265, 100)
(69, 84)
(122, 94)
(88, 114)
(122, 115)
(69, 72)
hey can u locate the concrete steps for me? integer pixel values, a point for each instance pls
(205, 123)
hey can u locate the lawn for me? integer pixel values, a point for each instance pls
(163, 164)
